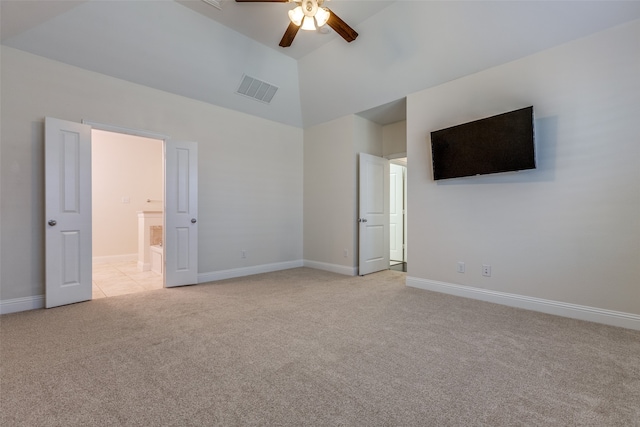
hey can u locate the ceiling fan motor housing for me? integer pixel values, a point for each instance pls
(309, 7)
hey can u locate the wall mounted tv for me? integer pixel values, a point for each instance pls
(501, 143)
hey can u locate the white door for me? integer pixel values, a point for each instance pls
(404, 225)
(67, 212)
(181, 213)
(396, 214)
(373, 214)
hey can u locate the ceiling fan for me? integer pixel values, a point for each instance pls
(309, 15)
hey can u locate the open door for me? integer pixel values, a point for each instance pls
(396, 215)
(373, 214)
(67, 212)
(181, 213)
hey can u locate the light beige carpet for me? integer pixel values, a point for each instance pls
(307, 347)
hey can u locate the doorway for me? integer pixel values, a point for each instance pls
(127, 213)
(68, 209)
(397, 216)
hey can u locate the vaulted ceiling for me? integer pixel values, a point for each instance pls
(193, 49)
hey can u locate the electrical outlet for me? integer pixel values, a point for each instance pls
(243, 254)
(486, 270)
(460, 267)
(346, 253)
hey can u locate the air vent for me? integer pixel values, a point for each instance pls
(256, 89)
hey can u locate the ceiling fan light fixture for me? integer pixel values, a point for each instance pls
(322, 16)
(296, 15)
(308, 24)
(309, 15)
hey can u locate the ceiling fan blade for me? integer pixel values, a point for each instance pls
(341, 27)
(291, 32)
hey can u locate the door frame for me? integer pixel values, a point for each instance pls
(373, 214)
(134, 133)
(143, 134)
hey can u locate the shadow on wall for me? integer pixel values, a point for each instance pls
(38, 206)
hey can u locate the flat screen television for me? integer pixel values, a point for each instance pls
(501, 143)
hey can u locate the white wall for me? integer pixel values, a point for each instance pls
(414, 45)
(123, 167)
(167, 46)
(330, 188)
(568, 231)
(250, 169)
(394, 138)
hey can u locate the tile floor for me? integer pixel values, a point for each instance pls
(122, 278)
(398, 266)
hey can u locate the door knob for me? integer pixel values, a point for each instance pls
(193, 221)
(52, 222)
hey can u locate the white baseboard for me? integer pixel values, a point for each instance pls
(35, 302)
(334, 268)
(574, 311)
(114, 258)
(21, 304)
(247, 271)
